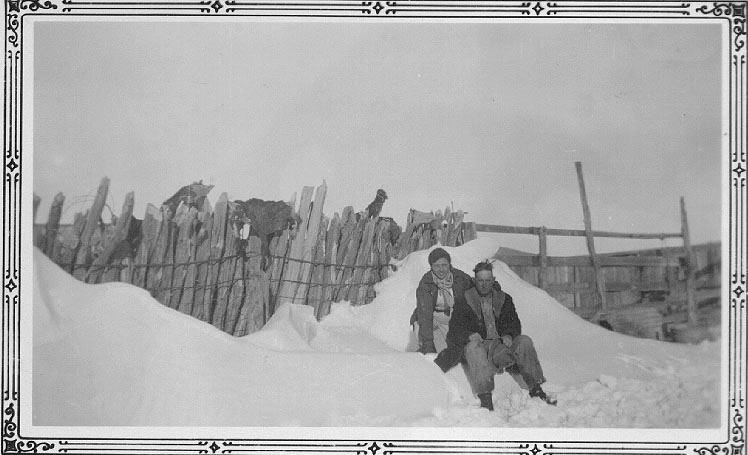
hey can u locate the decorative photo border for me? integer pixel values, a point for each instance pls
(17, 13)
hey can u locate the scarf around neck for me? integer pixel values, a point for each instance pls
(445, 289)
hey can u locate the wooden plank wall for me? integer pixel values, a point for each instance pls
(628, 279)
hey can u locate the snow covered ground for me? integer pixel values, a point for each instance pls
(111, 355)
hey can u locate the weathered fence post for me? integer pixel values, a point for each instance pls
(184, 276)
(83, 257)
(53, 225)
(37, 201)
(202, 258)
(120, 235)
(690, 263)
(217, 242)
(599, 281)
(543, 250)
(310, 242)
(149, 229)
(290, 279)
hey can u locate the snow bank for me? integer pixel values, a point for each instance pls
(111, 355)
(602, 378)
(570, 349)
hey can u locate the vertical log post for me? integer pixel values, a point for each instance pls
(83, 258)
(600, 283)
(690, 263)
(38, 237)
(53, 225)
(37, 201)
(120, 235)
(543, 250)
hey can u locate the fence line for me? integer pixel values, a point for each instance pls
(190, 256)
(614, 275)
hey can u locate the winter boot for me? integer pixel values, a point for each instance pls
(486, 400)
(537, 391)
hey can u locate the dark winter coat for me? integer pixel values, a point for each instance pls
(426, 295)
(467, 319)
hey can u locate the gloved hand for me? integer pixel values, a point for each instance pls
(502, 357)
(475, 337)
(427, 348)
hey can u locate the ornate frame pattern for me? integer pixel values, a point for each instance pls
(16, 11)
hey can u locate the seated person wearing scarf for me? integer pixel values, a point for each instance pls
(440, 289)
(486, 335)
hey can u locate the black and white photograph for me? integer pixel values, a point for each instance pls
(354, 227)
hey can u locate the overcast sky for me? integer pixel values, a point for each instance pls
(490, 117)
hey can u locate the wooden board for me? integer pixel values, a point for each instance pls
(53, 225)
(202, 256)
(316, 292)
(217, 243)
(118, 237)
(357, 292)
(235, 298)
(332, 239)
(226, 274)
(310, 241)
(501, 229)
(83, 257)
(256, 303)
(347, 269)
(149, 230)
(184, 273)
(71, 243)
(278, 265)
(290, 280)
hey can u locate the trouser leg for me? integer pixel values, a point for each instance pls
(528, 366)
(479, 369)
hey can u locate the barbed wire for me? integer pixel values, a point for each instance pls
(213, 261)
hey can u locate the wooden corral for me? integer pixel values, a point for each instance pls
(646, 290)
(196, 259)
(642, 292)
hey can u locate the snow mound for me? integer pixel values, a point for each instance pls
(570, 349)
(111, 355)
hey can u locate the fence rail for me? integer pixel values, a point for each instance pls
(503, 229)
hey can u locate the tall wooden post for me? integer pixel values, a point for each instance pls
(53, 225)
(690, 263)
(83, 258)
(37, 201)
(599, 281)
(543, 249)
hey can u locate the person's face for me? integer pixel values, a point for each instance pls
(484, 281)
(440, 267)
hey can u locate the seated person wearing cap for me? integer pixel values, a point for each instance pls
(485, 333)
(439, 290)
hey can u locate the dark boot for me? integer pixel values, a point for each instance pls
(537, 391)
(486, 400)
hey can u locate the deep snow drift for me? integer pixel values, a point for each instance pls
(111, 355)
